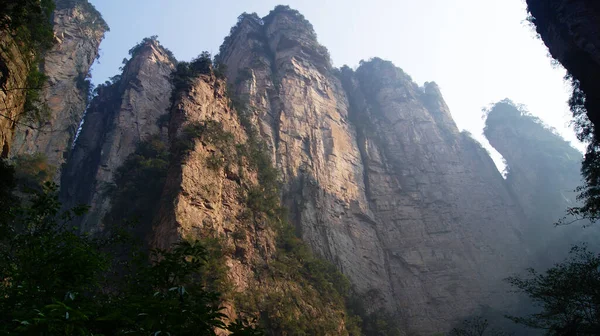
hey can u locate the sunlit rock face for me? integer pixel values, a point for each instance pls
(571, 31)
(377, 177)
(78, 30)
(122, 115)
(13, 69)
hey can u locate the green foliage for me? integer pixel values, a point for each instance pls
(30, 23)
(96, 22)
(56, 282)
(476, 326)
(32, 171)
(568, 295)
(84, 85)
(146, 40)
(310, 279)
(7, 185)
(138, 183)
(220, 69)
(210, 132)
(284, 9)
(35, 111)
(373, 323)
(46, 268)
(185, 72)
(163, 120)
(233, 31)
(589, 192)
(303, 280)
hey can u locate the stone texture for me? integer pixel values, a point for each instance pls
(571, 30)
(383, 185)
(202, 202)
(14, 67)
(78, 29)
(543, 172)
(376, 175)
(122, 115)
(303, 115)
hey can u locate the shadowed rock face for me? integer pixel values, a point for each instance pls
(121, 116)
(571, 31)
(377, 177)
(543, 172)
(79, 29)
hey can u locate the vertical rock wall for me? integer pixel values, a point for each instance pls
(571, 31)
(78, 29)
(543, 174)
(14, 67)
(122, 115)
(376, 175)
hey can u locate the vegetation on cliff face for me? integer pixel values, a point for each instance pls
(305, 294)
(138, 184)
(57, 282)
(29, 23)
(311, 281)
(540, 146)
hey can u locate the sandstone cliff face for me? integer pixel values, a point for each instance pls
(121, 116)
(78, 29)
(376, 175)
(204, 199)
(303, 115)
(571, 30)
(14, 67)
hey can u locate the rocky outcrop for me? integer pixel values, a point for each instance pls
(377, 177)
(14, 68)
(445, 218)
(214, 185)
(122, 115)
(375, 174)
(571, 30)
(78, 30)
(543, 172)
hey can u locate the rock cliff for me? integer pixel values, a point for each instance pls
(14, 67)
(376, 175)
(543, 172)
(220, 187)
(571, 31)
(78, 31)
(123, 114)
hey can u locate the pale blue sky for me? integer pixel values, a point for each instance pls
(478, 51)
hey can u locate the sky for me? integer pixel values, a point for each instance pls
(477, 51)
